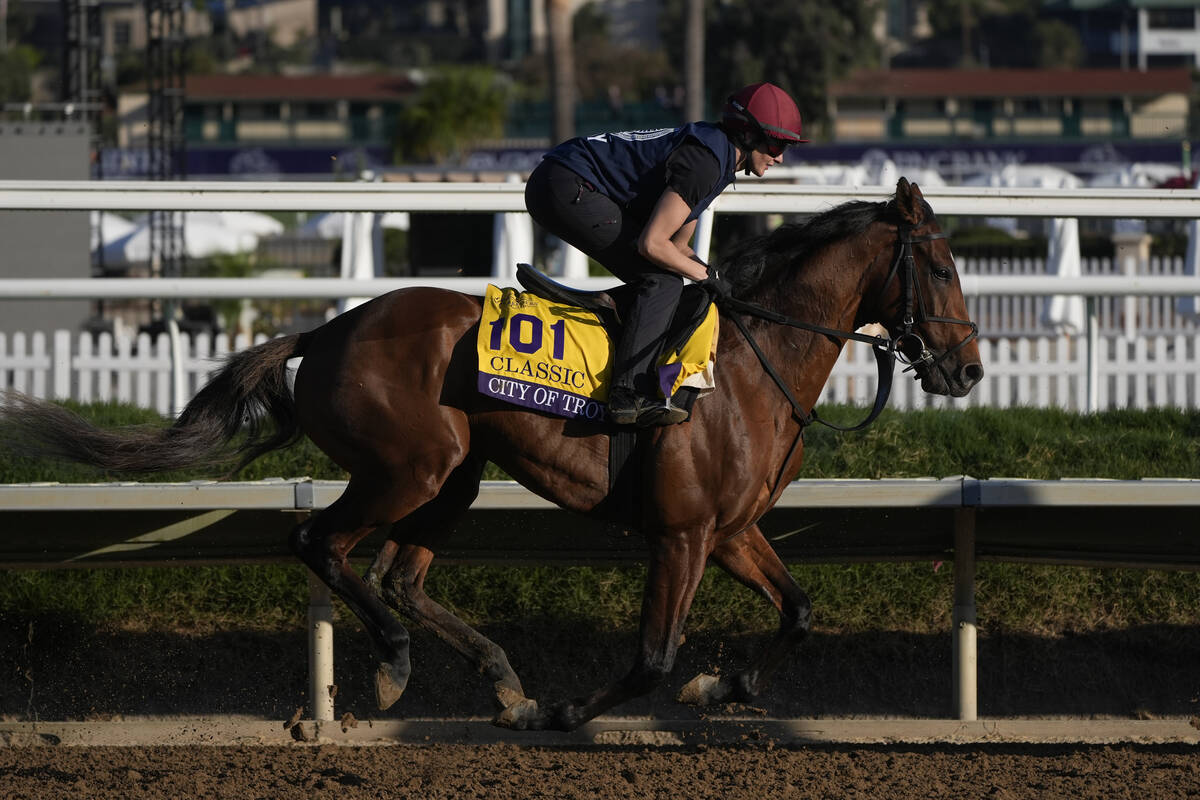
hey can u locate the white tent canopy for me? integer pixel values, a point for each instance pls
(245, 221)
(201, 240)
(332, 224)
(108, 227)
(1138, 175)
(1064, 313)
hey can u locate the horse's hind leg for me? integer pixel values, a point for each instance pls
(401, 569)
(404, 590)
(676, 567)
(753, 562)
(324, 544)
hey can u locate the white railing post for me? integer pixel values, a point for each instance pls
(966, 705)
(62, 365)
(320, 649)
(1093, 356)
(703, 235)
(178, 388)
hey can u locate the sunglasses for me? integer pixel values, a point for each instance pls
(774, 147)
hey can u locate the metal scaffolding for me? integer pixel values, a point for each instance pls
(81, 89)
(165, 70)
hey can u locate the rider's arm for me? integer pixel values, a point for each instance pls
(661, 237)
(691, 172)
(683, 239)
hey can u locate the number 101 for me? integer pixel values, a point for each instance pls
(522, 324)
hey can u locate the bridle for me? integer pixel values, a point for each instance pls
(915, 301)
(885, 350)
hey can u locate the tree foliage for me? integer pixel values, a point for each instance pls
(16, 73)
(1000, 33)
(801, 47)
(604, 69)
(457, 107)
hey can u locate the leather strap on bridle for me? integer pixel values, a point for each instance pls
(884, 349)
(915, 303)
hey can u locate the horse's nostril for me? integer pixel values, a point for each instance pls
(972, 374)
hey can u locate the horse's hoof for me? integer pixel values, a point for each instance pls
(389, 685)
(565, 717)
(523, 715)
(704, 690)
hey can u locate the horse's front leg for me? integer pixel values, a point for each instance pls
(676, 567)
(750, 559)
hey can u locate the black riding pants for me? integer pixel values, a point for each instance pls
(573, 210)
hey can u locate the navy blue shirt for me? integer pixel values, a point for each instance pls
(632, 169)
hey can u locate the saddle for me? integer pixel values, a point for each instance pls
(610, 305)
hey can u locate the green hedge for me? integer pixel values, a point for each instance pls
(981, 442)
(906, 596)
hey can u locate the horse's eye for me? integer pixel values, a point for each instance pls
(942, 274)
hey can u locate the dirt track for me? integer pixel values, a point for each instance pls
(58, 671)
(504, 771)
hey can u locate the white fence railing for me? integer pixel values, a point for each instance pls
(1024, 315)
(136, 370)
(1048, 372)
(1041, 371)
(964, 518)
(1103, 369)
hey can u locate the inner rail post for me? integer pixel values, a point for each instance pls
(964, 620)
(320, 649)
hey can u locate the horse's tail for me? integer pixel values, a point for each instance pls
(250, 396)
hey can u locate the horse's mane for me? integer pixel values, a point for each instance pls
(757, 265)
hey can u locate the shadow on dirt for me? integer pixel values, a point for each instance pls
(58, 669)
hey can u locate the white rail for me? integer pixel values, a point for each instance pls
(747, 197)
(330, 288)
(969, 530)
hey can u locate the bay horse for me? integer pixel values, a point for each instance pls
(388, 391)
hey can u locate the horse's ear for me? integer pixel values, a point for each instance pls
(909, 202)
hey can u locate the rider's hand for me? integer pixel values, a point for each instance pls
(717, 285)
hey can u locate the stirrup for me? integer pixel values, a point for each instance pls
(660, 416)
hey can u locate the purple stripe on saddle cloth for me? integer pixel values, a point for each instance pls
(541, 398)
(667, 374)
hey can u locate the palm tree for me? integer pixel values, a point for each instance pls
(562, 70)
(693, 61)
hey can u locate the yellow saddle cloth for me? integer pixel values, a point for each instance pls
(558, 358)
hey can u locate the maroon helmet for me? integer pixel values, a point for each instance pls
(763, 110)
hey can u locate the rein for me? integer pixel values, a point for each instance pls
(885, 350)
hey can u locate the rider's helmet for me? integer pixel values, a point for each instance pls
(762, 112)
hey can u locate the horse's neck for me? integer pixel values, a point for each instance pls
(827, 291)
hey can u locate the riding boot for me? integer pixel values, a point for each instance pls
(633, 399)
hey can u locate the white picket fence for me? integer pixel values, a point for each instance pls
(1042, 371)
(107, 368)
(1046, 372)
(1021, 315)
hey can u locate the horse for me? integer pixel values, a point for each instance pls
(388, 390)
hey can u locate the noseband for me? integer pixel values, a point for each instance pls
(915, 301)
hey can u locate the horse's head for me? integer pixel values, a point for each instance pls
(921, 302)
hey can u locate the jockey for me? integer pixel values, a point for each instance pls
(630, 200)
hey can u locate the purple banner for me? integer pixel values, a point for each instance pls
(541, 398)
